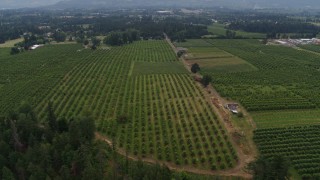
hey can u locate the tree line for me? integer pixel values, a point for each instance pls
(61, 148)
(270, 27)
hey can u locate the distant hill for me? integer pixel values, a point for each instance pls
(297, 4)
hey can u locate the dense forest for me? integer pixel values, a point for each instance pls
(49, 148)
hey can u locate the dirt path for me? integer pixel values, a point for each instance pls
(213, 97)
(231, 172)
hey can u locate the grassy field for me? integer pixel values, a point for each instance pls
(11, 43)
(166, 116)
(219, 30)
(206, 52)
(212, 59)
(271, 119)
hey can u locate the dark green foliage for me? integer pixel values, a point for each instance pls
(29, 40)
(86, 42)
(205, 81)
(195, 68)
(267, 26)
(7, 174)
(121, 38)
(95, 41)
(31, 150)
(274, 168)
(14, 51)
(297, 144)
(81, 130)
(122, 119)
(230, 34)
(52, 119)
(59, 36)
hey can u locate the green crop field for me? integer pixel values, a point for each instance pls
(139, 68)
(166, 114)
(219, 30)
(212, 59)
(206, 52)
(286, 118)
(29, 76)
(285, 78)
(299, 144)
(282, 96)
(314, 48)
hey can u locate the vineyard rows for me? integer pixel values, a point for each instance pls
(295, 72)
(168, 118)
(29, 76)
(300, 144)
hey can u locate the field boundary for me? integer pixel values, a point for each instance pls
(229, 173)
(244, 159)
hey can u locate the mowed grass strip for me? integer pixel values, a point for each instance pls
(205, 52)
(272, 119)
(158, 68)
(11, 43)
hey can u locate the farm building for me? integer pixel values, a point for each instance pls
(233, 107)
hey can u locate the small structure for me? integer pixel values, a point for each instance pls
(182, 50)
(233, 107)
(35, 47)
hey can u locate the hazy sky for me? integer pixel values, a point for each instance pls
(25, 3)
(236, 3)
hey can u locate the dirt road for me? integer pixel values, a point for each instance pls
(224, 116)
(218, 102)
(230, 173)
